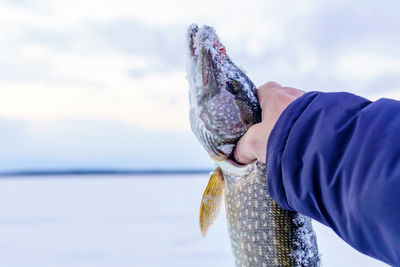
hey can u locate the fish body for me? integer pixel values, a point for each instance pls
(223, 106)
(262, 233)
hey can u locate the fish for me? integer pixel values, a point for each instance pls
(223, 106)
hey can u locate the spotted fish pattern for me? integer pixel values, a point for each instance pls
(262, 233)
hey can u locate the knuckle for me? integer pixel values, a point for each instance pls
(271, 85)
(252, 140)
(266, 91)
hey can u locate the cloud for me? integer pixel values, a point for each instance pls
(96, 65)
(303, 44)
(344, 25)
(165, 46)
(115, 61)
(154, 101)
(332, 46)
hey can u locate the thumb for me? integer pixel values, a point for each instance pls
(244, 151)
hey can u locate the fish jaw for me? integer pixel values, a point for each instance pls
(223, 100)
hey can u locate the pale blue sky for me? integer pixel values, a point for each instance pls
(101, 84)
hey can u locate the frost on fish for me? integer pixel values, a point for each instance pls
(207, 39)
(304, 253)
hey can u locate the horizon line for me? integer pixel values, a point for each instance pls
(105, 172)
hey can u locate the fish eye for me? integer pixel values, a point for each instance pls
(232, 86)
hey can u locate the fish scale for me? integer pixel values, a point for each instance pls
(254, 243)
(223, 106)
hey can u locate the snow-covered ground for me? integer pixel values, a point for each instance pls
(141, 221)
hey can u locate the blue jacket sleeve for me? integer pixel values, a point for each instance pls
(336, 158)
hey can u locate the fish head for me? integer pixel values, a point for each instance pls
(223, 100)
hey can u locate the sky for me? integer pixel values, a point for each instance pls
(102, 84)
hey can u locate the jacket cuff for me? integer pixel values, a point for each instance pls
(276, 146)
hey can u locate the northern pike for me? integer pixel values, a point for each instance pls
(223, 105)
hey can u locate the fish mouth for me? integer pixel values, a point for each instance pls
(203, 77)
(233, 162)
(206, 51)
(193, 29)
(209, 70)
(231, 166)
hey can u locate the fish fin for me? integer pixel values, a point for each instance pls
(211, 200)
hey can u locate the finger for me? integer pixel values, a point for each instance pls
(270, 96)
(293, 92)
(266, 91)
(271, 85)
(243, 151)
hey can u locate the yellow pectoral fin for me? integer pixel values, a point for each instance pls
(212, 200)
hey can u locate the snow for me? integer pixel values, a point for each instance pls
(119, 221)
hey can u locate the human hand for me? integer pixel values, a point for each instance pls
(273, 100)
